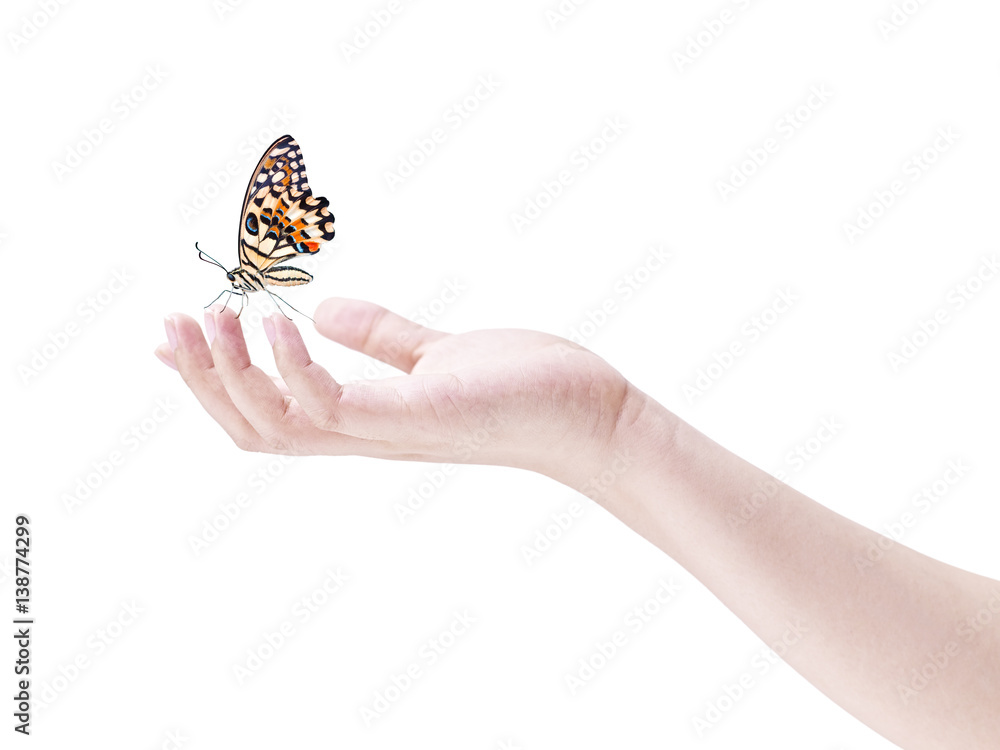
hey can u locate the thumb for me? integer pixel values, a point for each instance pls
(375, 331)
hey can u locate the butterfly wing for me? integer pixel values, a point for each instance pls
(281, 217)
(281, 164)
(288, 222)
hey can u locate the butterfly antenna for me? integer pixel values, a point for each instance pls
(286, 302)
(208, 259)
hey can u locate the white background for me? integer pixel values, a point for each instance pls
(73, 214)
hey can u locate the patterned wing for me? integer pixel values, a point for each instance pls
(281, 164)
(281, 217)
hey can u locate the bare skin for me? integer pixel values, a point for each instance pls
(907, 644)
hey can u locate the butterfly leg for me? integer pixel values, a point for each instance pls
(275, 297)
(243, 304)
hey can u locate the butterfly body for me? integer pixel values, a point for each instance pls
(245, 280)
(281, 219)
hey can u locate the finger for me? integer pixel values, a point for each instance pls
(375, 331)
(193, 360)
(391, 410)
(252, 390)
(166, 355)
(282, 424)
(310, 384)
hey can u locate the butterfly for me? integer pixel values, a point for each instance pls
(281, 219)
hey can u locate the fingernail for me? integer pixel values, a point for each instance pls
(168, 325)
(268, 329)
(164, 359)
(210, 325)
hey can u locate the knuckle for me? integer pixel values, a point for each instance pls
(245, 443)
(326, 419)
(276, 441)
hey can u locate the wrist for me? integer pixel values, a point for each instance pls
(641, 439)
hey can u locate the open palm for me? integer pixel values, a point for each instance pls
(511, 397)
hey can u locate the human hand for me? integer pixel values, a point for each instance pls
(507, 397)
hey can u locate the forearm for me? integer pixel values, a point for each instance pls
(801, 577)
(889, 641)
